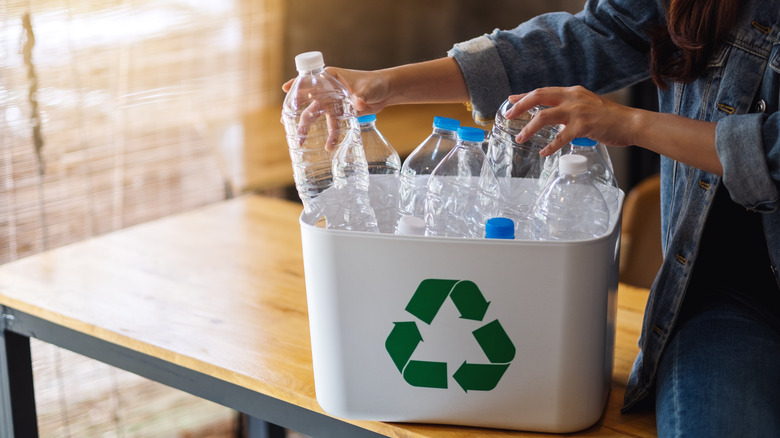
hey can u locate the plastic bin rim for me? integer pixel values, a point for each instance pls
(315, 229)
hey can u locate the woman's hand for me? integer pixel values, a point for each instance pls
(369, 90)
(582, 112)
(586, 114)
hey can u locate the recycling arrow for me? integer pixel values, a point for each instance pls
(402, 342)
(479, 377)
(428, 298)
(426, 374)
(495, 342)
(469, 300)
(425, 303)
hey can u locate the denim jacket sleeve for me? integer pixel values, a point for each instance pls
(746, 109)
(751, 173)
(603, 48)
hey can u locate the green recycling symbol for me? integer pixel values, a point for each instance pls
(491, 337)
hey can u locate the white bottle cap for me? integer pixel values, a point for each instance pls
(309, 61)
(572, 164)
(411, 225)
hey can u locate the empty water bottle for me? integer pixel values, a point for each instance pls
(453, 187)
(384, 165)
(420, 163)
(551, 164)
(571, 207)
(318, 118)
(600, 169)
(381, 156)
(509, 179)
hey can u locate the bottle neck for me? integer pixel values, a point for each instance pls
(583, 149)
(472, 145)
(575, 176)
(444, 132)
(315, 71)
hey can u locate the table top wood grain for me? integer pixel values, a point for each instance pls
(220, 290)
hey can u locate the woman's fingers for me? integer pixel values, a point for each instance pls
(581, 112)
(562, 139)
(548, 96)
(312, 114)
(368, 95)
(333, 132)
(287, 85)
(308, 117)
(368, 89)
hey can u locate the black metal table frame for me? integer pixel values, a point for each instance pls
(268, 415)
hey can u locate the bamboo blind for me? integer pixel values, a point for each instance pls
(114, 113)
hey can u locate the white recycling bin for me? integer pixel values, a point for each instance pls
(513, 334)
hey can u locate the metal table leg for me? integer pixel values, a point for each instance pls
(17, 396)
(259, 428)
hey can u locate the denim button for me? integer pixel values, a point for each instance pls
(760, 106)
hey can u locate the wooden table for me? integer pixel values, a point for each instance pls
(213, 302)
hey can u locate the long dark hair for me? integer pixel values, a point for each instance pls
(680, 51)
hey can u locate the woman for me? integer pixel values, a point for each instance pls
(710, 345)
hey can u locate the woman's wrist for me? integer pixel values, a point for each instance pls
(639, 122)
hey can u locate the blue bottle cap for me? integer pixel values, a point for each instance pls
(500, 228)
(367, 118)
(467, 133)
(446, 123)
(583, 141)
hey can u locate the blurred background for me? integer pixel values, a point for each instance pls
(117, 112)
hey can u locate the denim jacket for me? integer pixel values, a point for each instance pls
(604, 48)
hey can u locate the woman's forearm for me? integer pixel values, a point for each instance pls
(682, 139)
(436, 81)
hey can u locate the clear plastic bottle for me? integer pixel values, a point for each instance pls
(381, 156)
(600, 169)
(453, 187)
(509, 179)
(499, 228)
(551, 164)
(384, 167)
(420, 163)
(330, 184)
(571, 207)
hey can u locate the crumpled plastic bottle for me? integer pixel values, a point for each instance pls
(419, 165)
(330, 184)
(508, 185)
(453, 187)
(384, 167)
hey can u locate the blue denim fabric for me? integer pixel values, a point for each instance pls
(725, 350)
(605, 47)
